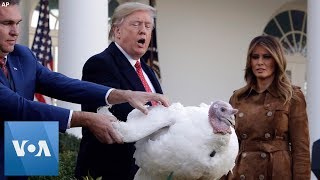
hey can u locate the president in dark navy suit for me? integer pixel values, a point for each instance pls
(21, 76)
(119, 66)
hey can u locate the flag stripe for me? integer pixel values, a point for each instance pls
(42, 43)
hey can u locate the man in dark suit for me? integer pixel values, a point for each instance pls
(21, 76)
(315, 163)
(118, 66)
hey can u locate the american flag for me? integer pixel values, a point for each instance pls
(42, 44)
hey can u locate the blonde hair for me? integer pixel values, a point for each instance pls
(124, 10)
(281, 81)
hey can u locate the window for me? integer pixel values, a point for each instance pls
(291, 28)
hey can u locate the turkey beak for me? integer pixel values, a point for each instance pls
(232, 118)
(232, 121)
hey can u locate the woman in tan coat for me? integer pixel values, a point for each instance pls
(272, 123)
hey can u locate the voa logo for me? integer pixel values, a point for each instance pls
(42, 148)
(31, 148)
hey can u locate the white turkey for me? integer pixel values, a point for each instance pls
(185, 142)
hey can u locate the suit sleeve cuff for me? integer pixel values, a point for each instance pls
(107, 95)
(69, 120)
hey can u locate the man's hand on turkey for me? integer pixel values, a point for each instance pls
(137, 99)
(139, 125)
(99, 124)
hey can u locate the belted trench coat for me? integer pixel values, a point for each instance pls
(273, 137)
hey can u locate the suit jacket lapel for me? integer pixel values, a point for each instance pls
(3, 79)
(16, 73)
(129, 72)
(126, 68)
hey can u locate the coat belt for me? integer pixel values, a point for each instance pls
(264, 146)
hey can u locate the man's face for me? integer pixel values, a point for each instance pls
(134, 33)
(10, 18)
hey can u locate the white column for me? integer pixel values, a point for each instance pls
(26, 12)
(313, 86)
(83, 32)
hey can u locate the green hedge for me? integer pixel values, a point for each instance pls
(68, 151)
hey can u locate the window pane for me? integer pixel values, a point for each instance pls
(283, 19)
(297, 19)
(272, 29)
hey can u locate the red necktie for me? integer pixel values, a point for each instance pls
(143, 80)
(3, 67)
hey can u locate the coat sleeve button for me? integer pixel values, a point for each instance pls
(263, 155)
(242, 177)
(267, 135)
(261, 177)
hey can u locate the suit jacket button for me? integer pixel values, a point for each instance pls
(242, 177)
(244, 155)
(241, 114)
(269, 113)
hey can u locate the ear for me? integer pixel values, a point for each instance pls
(117, 32)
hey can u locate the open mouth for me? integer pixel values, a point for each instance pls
(141, 41)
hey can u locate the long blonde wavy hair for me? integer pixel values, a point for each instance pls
(281, 81)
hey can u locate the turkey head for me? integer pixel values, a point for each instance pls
(221, 117)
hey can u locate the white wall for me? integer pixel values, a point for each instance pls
(203, 44)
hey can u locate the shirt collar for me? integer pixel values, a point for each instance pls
(5, 59)
(129, 58)
(271, 89)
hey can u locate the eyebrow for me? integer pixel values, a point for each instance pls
(11, 21)
(147, 22)
(262, 54)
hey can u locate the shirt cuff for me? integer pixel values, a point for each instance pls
(107, 95)
(69, 120)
